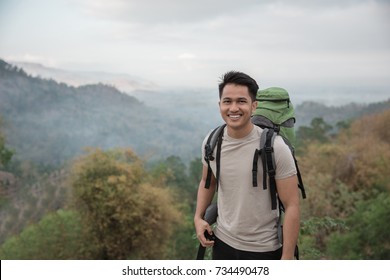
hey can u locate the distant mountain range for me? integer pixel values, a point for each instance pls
(49, 122)
(123, 82)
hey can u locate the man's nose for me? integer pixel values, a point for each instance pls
(233, 107)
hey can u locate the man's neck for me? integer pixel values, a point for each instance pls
(241, 132)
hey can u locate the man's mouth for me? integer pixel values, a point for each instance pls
(234, 116)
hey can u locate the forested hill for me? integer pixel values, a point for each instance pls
(49, 122)
(309, 110)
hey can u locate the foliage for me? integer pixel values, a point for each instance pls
(59, 235)
(367, 237)
(183, 182)
(5, 153)
(341, 174)
(127, 217)
(314, 233)
(318, 131)
(32, 195)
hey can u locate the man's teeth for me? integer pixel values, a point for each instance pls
(234, 116)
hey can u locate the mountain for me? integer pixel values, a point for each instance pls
(48, 122)
(124, 82)
(308, 110)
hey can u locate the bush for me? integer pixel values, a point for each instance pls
(127, 217)
(58, 235)
(368, 237)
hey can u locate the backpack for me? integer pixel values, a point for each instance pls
(276, 115)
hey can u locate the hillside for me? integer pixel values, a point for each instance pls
(47, 122)
(308, 110)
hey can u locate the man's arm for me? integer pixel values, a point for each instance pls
(204, 198)
(289, 195)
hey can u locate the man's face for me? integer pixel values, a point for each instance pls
(236, 108)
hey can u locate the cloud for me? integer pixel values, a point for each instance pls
(186, 56)
(32, 58)
(304, 40)
(164, 11)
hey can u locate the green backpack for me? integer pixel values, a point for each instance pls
(276, 115)
(275, 110)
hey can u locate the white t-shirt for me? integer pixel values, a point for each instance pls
(245, 218)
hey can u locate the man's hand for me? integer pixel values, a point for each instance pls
(201, 226)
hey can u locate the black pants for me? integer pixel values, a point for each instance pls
(222, 251)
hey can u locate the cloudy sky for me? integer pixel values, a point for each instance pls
(191, 43)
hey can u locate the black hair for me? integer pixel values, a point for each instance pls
(239, 78)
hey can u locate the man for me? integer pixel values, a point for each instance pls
(246, 225)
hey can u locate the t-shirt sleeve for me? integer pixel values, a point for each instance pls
(285, 165)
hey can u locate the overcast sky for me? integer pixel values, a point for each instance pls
(192, 43)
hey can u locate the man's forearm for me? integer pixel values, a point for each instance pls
(291, 227)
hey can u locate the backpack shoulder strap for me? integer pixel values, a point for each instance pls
(212, 141)
(259, 153)
(265, 152)
(268, 153)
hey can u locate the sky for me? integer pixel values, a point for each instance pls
(180, 43)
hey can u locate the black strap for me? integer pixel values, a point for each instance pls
(218, 163)
(296, 252)
(209, 150)
(254, 167)
(201, 252)
(300, 181)
(260, 153)
(268, 149)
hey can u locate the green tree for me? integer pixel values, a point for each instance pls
(5, 153)
(367, 236)
(173, 172)
(58, 235)
(317, 131)
(127, 216)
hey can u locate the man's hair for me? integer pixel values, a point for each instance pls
(239, 78)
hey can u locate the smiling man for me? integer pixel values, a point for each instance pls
(247, 227)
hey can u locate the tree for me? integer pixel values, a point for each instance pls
(317, 131)
(128, 217)
(5, 154)
(59, 235)
(367, 234)
(173, 172)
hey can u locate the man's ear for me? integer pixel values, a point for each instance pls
(254, 106)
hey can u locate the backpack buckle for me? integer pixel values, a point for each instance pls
(271, 172)
(208, 153)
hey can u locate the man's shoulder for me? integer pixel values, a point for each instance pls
(258, 129)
